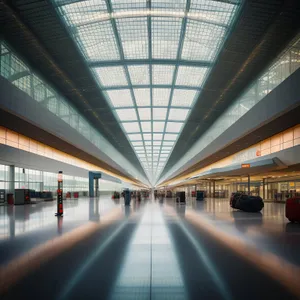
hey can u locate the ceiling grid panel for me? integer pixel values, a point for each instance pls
(179, 50)
(122, 56)
(150, 167)
(148, 63)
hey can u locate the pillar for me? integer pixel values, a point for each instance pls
(91, 184)
(11, 179)
(264, 192)
(214, 188)
(249, 185)
(97, 187)
(42, 181)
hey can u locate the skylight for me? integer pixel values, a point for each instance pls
(150, 63)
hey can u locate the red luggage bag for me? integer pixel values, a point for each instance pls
(292, 209)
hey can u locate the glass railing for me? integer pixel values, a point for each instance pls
(19, 74)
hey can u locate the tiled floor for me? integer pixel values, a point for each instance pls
(150, 250)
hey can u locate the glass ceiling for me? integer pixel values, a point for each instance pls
(151, 59)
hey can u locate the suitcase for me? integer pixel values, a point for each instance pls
(180, 197)
(292, 209)
(247, 203)
(233, 199)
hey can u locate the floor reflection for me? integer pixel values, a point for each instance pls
(22, 219)
(149, 250)
(150, 269)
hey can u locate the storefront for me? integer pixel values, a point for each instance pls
(282, 190)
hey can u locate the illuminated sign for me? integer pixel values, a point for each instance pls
(60, 176)
(245, 165)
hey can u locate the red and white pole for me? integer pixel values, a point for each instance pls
(60, 208)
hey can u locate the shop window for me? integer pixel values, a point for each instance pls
(265, 151)
(275, 148)
(297, 132)
(2, 135)
(40, 149)
(12, 139)
(288, 145)
(276, 140)
(24, 143)
(297, 141)
(33, 146)
(265, 145)
(288, 136)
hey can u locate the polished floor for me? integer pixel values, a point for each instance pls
(154, 249)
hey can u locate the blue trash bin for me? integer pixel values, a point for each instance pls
(127, 197)
(200, 196)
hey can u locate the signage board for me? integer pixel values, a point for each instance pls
(60, 176)
(245, 165)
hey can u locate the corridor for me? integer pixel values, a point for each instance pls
(153, 249)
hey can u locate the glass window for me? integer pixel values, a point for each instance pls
(174, 126)
(134, 37)
(97, 41)
(163, 74)
(202, 40)
(39, 89)
(165, 37)
(139, 75)
(131, 127)
(183, 97)
(161, 97)
(127, 114)
(191, 76)
(146, 126)
(142, 97)
(111, 76)
(178, 114)
(158, 126)
(120, 98)
(159, 113)
(145, 113)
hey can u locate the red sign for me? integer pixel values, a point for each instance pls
(258, 153)
(245, 165)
